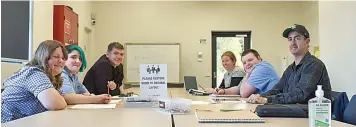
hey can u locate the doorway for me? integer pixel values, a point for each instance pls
(236, 42)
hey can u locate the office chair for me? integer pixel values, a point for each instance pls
(350, 112)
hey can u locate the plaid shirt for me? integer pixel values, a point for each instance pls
(19, 98)
(299, 82)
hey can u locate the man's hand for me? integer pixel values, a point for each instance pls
(249, 70)
(112, 85)
(122, 90)
(210, 90)
(215, 91)
(256, 98)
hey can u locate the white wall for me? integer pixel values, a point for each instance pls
(187, 22)
(337, 31)
(179, 22)
(311, 21)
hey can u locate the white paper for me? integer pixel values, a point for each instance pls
(114, 101)
(200, 103)
(153, 81)
(115, 97)
(94, 106)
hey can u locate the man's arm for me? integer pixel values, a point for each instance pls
(102, 74)
(246, 89)
(257, 79)
(118, 81)
(306, 85)
(279, 86)
(230, 91)
(236, 90)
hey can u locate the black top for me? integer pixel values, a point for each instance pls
(299, 82)
(96, 79)
(235, 81)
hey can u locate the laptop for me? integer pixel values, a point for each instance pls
(191, 86)
(190, 82)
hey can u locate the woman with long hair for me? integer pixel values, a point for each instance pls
(35, 87)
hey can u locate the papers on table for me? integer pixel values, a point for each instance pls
(217, 95)
(114, 101)
(115, 97)
(200, 103)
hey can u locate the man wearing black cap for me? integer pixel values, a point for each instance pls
(300, 79)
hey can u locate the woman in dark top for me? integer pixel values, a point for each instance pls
(234, 74)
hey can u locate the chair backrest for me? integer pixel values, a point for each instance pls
(350, 112)
(334, 95)
(339, 101)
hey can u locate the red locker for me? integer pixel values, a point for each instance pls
(65, 25)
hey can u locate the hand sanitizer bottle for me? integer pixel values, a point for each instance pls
(319, 109)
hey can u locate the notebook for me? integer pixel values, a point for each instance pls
(244, 116)
(217, 95)
(225, 98)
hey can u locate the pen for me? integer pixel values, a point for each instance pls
(228, 110)
(108, 88)
(201, 87)
(203, 110)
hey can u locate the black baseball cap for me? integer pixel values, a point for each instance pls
(298, 28)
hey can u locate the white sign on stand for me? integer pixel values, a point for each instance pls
(153, 81)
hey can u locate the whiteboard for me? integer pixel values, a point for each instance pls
(136, 54)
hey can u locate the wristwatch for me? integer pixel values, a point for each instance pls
(266, 99)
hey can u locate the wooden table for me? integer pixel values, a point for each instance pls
(118, 117)
(147, 117)
(190, 120)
